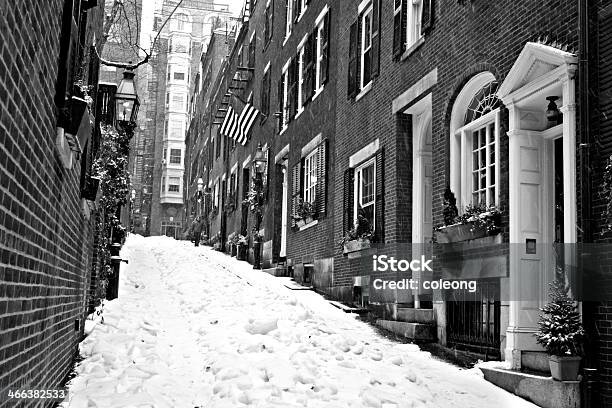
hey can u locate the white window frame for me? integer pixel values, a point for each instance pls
(367, 12)
(465, 135)
(176, 125)
(180, 156)
(285, 96)
(358, 190)
(311, 167)
(319, 57)
(303, 7)
(413, 27)
(289, 21)
(174, 184)
(177, 101)
(216, 194)
(301, 79)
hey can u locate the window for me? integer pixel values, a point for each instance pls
(181, 21)
(157, 23)
(366, 48)
(165, 155)
(365, 191)
(180, 45)
(178, 102)
(301, 79)
(411, 20)
(175, 156)
(474, 149)
(284, 89)
(174, 184)
(322, 52)
(176, 129)
(265, 93)
(216, 195)
(269, 22)
(252, 48)
(310, 176)
(179, 76)
(289, 20)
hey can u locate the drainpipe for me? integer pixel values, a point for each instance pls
(585, 141)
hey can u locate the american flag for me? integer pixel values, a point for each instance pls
(238, 127)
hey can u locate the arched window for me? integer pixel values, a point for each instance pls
(475, 142)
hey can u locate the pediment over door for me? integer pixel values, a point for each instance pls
(537, 63)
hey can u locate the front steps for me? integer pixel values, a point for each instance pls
(278, 271)
(418, 332)
(542, 391)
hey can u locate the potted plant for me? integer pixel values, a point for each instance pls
(359, 237)
(243, 244)
(477, 221)
(232, 243)
(561, 333)
(305, 212)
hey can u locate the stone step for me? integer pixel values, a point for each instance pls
(414, 331)
(411, 315)
(542, 391)
(277, 271)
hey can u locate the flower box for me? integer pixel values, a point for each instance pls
(300, 222)
(356, 245)
(460, 233)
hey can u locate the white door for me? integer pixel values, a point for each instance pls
(283, 246)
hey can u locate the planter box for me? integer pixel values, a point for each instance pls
(564, 368)
(300, 223)
(459, 233)
(356, 245)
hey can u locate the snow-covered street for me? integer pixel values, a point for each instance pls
(195, 328)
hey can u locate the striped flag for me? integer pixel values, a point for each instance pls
(228, 122)
(245, 122)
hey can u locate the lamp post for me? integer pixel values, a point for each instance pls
(200, 195)
(259, 162)
(126, 102)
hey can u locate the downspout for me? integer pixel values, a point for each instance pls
(585, 224)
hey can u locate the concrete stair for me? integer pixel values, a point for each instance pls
(542, 391)
(419, 332)
(411, 315)
(280, 270)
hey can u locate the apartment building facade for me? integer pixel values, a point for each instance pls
(183, 38)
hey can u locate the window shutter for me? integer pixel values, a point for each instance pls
(399, 27)
(297, 10)
(294, 83)
(281, 89)
(353, 66)
(427, 16)
(269, 165)
(322, 179)
(379, 209)
(348, 200)
(309, 65)
(236, 184)
(376, 39)
(295, 192)
(325, 48)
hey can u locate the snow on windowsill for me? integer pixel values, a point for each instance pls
(364, 91)
(410, 50)
(309, 225)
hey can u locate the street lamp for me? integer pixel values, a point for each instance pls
(126, 100)
(200, 188)
(259, 162)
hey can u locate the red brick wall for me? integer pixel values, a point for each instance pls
(45, 242)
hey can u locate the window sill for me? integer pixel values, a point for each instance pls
(286, 39)
(301, 15)
(309, 225)
(299, 112)
(318, 92)
(364, 91)
(410, 50)
(283, 130)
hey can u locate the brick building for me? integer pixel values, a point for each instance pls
(46, 206)
(433, 101)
